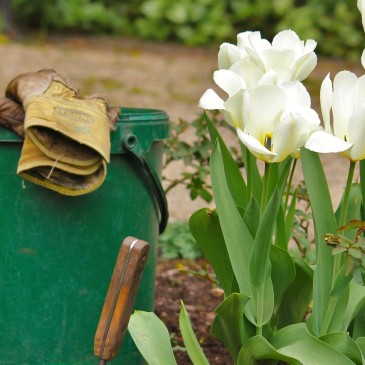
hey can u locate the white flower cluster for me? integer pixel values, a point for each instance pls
(267, 103)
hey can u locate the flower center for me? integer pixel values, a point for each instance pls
(268, 142)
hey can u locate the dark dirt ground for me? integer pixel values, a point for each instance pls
(174, 284)
(162, 76)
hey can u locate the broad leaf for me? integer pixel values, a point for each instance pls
(204, 226)
(258, 349)
(356, 305)
(259, 263)
(252, 216)
(151, 338)
(361, 343)
(236, 183)
(238, 238)
(192, 346)
(282, 271)
(296, 299)
(343, 343)
(230, 325)
(325, 222)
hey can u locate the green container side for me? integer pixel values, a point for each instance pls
(57, 253)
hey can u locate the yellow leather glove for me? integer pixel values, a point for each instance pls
(72, 132)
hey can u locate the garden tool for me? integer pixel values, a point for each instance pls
(120, 298)
(72, 132)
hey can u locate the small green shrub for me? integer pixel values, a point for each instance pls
(177, 242)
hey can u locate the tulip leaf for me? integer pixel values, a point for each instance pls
(362, 184)
(236, 183)
(289, 220)
(359, 323)
(343, 343)
(236, 235)
(259, 262)
(282, 271)
(252, 216)
(325, 222)
(296, 299)
(192, 346)
(295, 341)
(280, 230)
(230, 325)
(205, 228)
(360, 341)
(355, 306)
(294, 345)
(151, 338)
(258, 348)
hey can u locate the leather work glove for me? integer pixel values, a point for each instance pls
(67, 141)
(12, 116)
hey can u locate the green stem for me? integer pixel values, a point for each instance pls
(290, 180)
(343, 216)
(265, 188)
(260, 309)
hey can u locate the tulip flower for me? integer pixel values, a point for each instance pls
(343, 111)
(361, 7)
(288, 57)
(272, 121)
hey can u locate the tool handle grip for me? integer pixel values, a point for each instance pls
(120, 298)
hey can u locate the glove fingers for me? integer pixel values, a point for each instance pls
(12, 116)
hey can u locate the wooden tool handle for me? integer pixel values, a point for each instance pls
(120, 298)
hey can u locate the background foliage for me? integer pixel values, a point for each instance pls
(334, 24)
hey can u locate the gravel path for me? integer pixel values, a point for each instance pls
(143, 74)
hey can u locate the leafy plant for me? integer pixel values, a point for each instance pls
(277, 308)
(178, 242)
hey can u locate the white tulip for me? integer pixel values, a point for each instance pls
(343, 111)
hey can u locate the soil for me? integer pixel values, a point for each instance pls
(179, 280)
(162, 76)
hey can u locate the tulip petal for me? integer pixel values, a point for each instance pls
(280, 61)
(326, 102)
(291, 134)
(267, 103)
(356, 134)
(343, 102)
(248, 70)
(235, 106)
(296, 94)
(322, 142)
(210, 100)
(361, 7)
(229, 81)
(286, 39)
(363, 58)
(304, 66)
(228, 55)
(256, 148)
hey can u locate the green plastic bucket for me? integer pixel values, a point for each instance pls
(57, 253)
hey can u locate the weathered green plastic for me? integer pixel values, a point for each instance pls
(57, 253)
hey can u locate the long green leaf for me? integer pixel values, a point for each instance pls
(362, 185)
(230, 325)
(236, 183)
(282, 271)
(192, 346)
(356, 304)
(258, 349)
(280, 230)
(325, 222)
(289, 220)
(296, 299)
(252, 216)
(361, 343)
(343, 343)
(295, 341)
(236, 235)
(205, 227)
(151, 338)
(259, 262)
